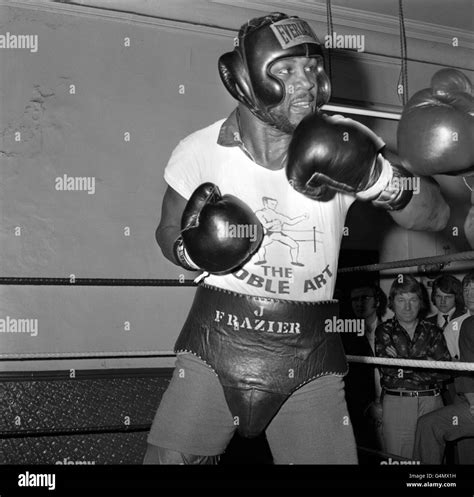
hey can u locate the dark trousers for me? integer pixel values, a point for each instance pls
(445, 425)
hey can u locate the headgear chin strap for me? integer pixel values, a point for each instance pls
(245, 71)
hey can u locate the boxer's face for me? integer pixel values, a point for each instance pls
(299, 75)
(406, 307)
(468, 294)
(444, 301)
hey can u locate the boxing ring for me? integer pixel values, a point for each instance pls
(121, 402)
(141, 428)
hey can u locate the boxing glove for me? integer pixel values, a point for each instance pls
(335, 154)
(219, 233)
(436, 130)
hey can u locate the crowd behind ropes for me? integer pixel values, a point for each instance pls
(413, 413)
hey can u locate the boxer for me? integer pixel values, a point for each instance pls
(257, 351)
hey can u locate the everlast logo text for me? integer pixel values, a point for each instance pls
(246, 323)
(291, 32)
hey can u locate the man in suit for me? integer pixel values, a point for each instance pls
(451, 332)
(446, 296)
(363, 388)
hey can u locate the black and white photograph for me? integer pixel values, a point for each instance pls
(236, 234)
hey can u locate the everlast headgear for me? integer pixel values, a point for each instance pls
(245, 71)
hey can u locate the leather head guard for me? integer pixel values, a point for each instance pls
(261, 42)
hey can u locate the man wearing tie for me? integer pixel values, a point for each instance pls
(451, 331)
(446, 296)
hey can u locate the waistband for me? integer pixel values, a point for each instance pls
(295, 303)
(263, 314)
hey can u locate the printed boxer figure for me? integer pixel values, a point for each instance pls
(273, 222)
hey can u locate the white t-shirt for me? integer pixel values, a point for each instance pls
(298, 256)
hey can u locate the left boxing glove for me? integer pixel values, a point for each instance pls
(335, 154)
(219, 233)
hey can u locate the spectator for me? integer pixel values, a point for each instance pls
(451, 332)
(446, 296)
(408, 393)
(454, 421)
(362, 384)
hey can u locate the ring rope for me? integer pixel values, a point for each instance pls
(413, 363)
(19, 280)
(68, 432)
(382, 361)
(86, 355)
(437, 259)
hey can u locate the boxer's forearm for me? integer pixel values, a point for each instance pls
(469, 223)
(427, 210)
(166, 237)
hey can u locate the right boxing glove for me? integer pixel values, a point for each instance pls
(329, 154)
(218, 233)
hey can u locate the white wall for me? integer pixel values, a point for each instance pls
(118, 89)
